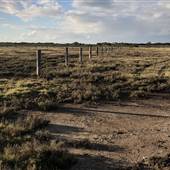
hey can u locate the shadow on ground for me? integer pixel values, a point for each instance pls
(86, 144)
(63, 129)
(85, 111)
(57, 130)
(87, 162)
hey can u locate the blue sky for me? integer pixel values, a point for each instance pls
(86, 21)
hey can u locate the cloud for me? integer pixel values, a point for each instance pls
(51, 35)
(123, 20)
(91, 20)
(80, 23)
(27, 9)
(97, 4)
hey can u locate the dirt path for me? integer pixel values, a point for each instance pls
(113, 135)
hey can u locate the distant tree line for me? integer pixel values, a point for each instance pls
(51, 44)
(77, 44)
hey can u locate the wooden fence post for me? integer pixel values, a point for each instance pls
(102, 50)
(112, 49)
(97, 51)
(38, 62)
(81, 55)
(107, 50)
(90, 53)
(66, 56)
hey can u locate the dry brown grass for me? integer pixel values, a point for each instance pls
(121, 74)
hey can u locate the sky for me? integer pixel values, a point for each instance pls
(85, 21)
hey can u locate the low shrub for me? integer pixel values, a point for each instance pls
(24, 145)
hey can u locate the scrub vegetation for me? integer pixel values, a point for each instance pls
(120, 74)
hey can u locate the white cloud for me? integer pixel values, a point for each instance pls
(27, 9)
(92, 20)
(124, 19)
(95, 4)
(80, 23)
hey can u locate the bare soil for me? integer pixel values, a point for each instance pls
(113, 135)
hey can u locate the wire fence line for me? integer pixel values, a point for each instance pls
(21, 61)
(69, 53)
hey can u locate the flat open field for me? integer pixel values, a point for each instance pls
(112, 112)
(121, 74)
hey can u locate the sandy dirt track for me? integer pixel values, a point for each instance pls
(113, 135)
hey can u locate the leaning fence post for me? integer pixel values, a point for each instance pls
(97, 51)
(90, 53)
(81, 55)
(66, 56)
(38, 64)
